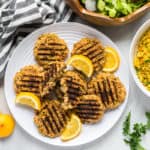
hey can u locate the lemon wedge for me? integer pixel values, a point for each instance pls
(112, 60)
(81, 63)
(28, 99)
(72, 129)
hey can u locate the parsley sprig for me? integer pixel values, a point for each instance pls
(133, 137)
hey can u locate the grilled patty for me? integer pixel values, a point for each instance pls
(51, 119)
(90, 108)
(72, 85)
(109, 88)
(93, 49)
(55, 70)
(49, 47)
(29, 79)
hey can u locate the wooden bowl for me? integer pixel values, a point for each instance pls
(100, 19)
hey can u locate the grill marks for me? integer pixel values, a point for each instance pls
(52, 119)
(72, 85)
(109, 88)
(49, 47)
(58, 92)
(93, 49)
(90, 109)
(29, 79)
(55, 70)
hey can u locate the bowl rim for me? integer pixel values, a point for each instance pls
(118, 19)
(135, 40)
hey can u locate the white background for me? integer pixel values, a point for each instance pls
(113, 140)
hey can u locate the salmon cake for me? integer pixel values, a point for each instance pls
(29, 79)
(93, 49)
(55, 70)
(49, 47)
(52, 119)
(90, 109)
(109, 88)
(72, 85)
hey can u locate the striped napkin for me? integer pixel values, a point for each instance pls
(20, 17)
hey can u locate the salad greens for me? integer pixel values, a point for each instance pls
(133, 138)
(114, 8)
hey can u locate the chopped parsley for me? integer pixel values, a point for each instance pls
(133, 137)
(147, 61)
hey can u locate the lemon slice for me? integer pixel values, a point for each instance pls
(81, 63)
(28, 99)
(72, 129)
(112, 60)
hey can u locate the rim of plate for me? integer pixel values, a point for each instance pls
(88, 28)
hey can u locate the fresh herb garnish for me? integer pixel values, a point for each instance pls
(126, 125)
(148, 120)
(133, 138)
(137, 69)
(147, 61)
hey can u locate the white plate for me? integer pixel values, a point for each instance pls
(23, 55)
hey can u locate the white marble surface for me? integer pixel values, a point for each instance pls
(113, 140)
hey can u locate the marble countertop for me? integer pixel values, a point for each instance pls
(122, 36)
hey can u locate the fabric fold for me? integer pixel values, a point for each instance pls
(26, 15)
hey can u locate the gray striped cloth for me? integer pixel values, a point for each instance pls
(20, 17)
